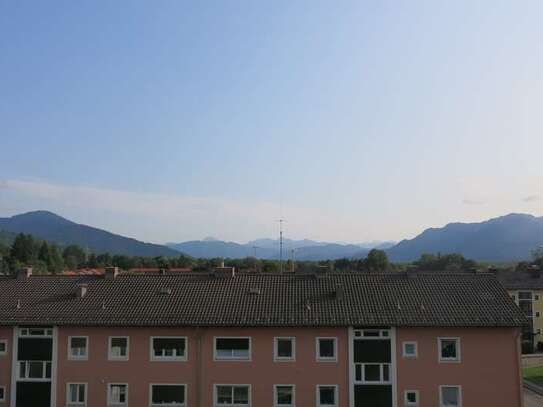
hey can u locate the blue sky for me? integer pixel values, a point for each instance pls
(354, 120)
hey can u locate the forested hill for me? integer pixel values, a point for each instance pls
(54, 228)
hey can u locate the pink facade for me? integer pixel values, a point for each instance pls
(200, 373)
(488, 371)
(6, 334)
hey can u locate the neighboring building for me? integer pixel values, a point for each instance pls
(258, 340)
(526, 289)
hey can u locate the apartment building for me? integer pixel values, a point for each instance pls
(526, 289)
(255, 340)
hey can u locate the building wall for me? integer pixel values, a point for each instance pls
(537, 307)
(261, 372)
(489, 370)
(5, 363)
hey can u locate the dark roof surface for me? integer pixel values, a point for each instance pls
(518, 280)
(387, 299)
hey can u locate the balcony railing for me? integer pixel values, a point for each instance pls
(372, 373)
(34, 370)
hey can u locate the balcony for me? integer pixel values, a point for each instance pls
(34, 370)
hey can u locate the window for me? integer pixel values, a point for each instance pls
(2, 393)
(168, 348)
(230, 348)
(372, 333)
(232, 395)
(327, 349)
(76, 395)
(43, 332)
(118, 348)
(450, 396)
(171, 395)
(513, 297)
(538, 331)
(285, 349)
(117, 395)
(78, 348)
(411, 398)
(372, 373)
(326, 396)
(537, 314)
(3, 347)
(536, 297)
(410, 350)
(284, 395)
(449, 349)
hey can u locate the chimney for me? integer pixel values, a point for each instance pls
(24, 273)
(111, 272)
(222, 264)
(82, 290)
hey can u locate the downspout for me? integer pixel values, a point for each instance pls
(199, 370)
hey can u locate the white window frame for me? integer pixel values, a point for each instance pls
(410, 403)
(76, 357)
(183, 358)
(111, 403)
(112, 357)
(216, 394)
(381, 380)
(441, 394)
(3, 398)
(167, 384)
(76, 404)
(217, 358)
(33, 332)
(458, 358)
(318, 395)
(275, 402)
(407, 355)
(276, 356)
(5, 343)
(318, 349)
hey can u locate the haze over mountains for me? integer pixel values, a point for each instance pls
(508, 238)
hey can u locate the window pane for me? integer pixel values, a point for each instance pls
(73, 393)
(2, 348)
(119, 347)
(232, 348)
(78, 346)
(372, 373)
(284, 348)
(163, 394)
(386, 373)
(411, 397)
(450, 396)
(118, 393)
(327, 396)
(169, 347)
(409, 348)
(224, 394)
(284, 395)
(241, 395)
(448, 349)
(326, 348)
(81, 393)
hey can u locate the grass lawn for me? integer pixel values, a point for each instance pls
(534, 374)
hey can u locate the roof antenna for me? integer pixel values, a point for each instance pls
(103, 305)
(18, 304)
(281, 244)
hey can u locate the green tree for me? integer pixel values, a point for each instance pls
(377, 260)
(24, 249)
(74, 257)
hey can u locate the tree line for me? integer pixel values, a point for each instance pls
(45, 257)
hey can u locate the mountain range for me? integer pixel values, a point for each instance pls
(53, 228)
(508, 238)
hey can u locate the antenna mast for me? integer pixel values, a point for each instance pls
(281, 245)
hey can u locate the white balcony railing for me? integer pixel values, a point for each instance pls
(34, 370)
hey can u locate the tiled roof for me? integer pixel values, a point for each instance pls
(192, 299)
(518, 280)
